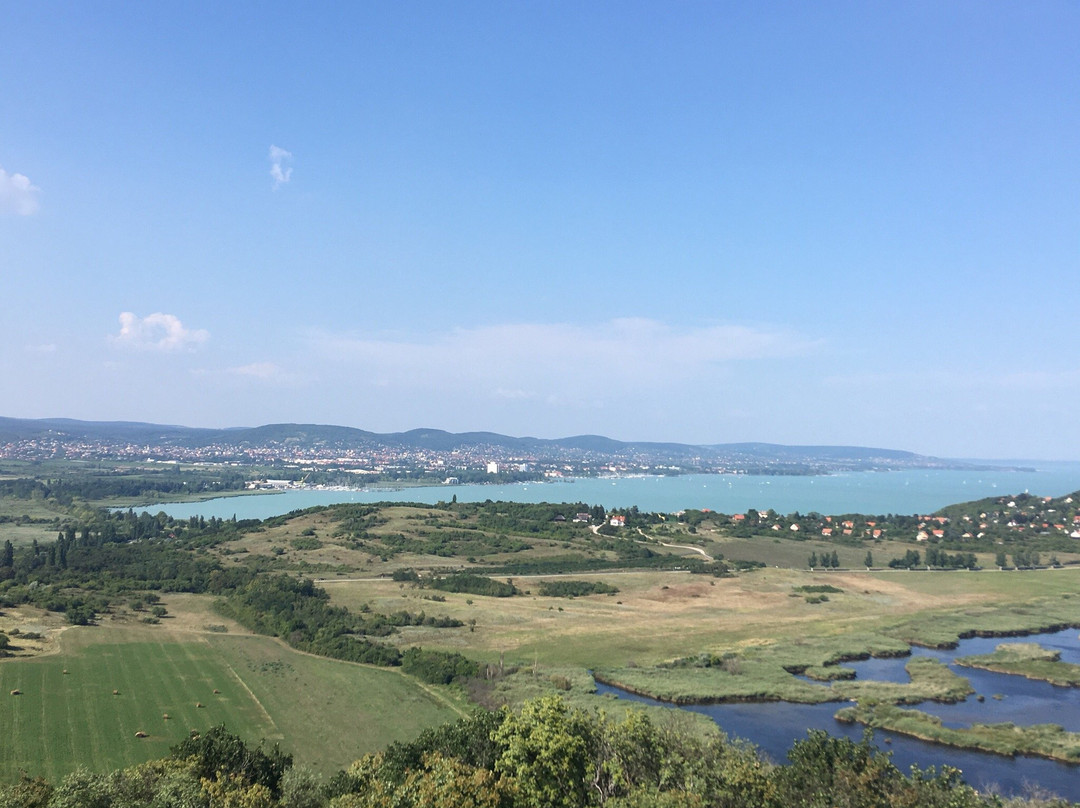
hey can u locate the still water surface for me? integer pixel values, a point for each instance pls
(774, 726)
(905, 492)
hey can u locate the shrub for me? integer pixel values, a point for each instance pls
(573, 589)
(437, 667)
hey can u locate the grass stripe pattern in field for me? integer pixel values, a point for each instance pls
(111, 690)
(83, 705)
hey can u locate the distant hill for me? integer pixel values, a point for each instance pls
(747, 456)
(797, 453)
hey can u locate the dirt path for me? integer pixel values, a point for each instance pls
(266, 715)
(677, 546)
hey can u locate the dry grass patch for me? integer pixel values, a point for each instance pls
(32, 631)
(654, 617)
(659, 616)
(196, 613)
(22, 535)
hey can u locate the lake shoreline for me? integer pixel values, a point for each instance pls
(966, 739)
(872, 493)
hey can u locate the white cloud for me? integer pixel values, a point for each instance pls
(280, 171)
(44, 348)
(157, 332)
(264, 371)
(17, 195)
(525, 361)
(502, 392)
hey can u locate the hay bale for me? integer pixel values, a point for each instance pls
(165, 716)
(65, 671)
(116, 692)
(141, 734)
(199, 704)
(216, 691)
(16, 692)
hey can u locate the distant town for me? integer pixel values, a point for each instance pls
(329, 453)
(376, 460)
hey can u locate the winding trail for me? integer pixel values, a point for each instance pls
(677, 546)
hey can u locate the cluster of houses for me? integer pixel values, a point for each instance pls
(1025, 515)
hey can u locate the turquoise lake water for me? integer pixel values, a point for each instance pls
(905, 492)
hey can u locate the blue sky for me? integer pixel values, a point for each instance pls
(844, 223)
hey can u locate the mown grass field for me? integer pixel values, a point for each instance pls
(327, 713)
(62, 720)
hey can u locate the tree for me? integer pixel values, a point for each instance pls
(218, 751)
(827, 771)
(1000, 559)
(445, 781)
(232, 791)
(7, 556)
(28, 792)
(834, 560)
(626, 756)
(869, 560)
(813, 561)
(545, 749)
(301, 788)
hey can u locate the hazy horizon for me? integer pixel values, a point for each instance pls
(1004, 461)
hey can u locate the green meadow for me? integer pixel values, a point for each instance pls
(327, 713)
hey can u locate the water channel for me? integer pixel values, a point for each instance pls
(774, 726)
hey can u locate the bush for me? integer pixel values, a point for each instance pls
(473, 584)
(573, 589)
(437, 667)
(218, 750)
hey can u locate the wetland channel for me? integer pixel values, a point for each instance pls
(774, 726)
